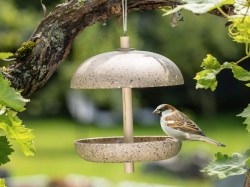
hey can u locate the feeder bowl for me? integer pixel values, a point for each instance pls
(114, 150)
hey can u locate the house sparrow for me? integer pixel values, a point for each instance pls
(179, 126)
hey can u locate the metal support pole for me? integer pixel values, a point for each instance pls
(127, 123)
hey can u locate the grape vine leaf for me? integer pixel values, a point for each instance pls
(14, 129)
(246, 114)
(199, 6)
(225, 165)
(9, 97)
(6, 150)
(2, 183)
(240, 73)
(210, 62)
(207, 77)
(239, 30)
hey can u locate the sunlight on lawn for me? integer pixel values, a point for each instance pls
(56, 157)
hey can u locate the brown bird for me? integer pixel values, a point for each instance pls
(179, 126)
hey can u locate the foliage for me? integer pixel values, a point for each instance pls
(200, 6)
(239, 31)
(211, 67)
(11, 102)
(9, 97)
(6, 150)
(2, 183)
(246, 114)
(12, 126)
(225, 166)
(207, 77)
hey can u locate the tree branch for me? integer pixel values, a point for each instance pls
(55, 35)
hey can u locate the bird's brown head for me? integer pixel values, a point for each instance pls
(163, 107)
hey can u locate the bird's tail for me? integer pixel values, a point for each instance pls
(209, 140)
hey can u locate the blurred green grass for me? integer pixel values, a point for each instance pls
(56, 157)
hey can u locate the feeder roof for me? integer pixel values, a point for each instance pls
(126, 69)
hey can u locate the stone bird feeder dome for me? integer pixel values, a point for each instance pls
(126, 69)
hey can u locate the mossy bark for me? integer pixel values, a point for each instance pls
(55, 35)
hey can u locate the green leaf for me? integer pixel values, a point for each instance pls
(247, 121)
(6, 150)
(225, 165)
(248, 162)
(2, 110)
(246, 114)
(210, 62)
(239, 30)
(240, 73)
(200, 6)
(206, 79)
(14, 129)
(4, 55)
(2, 183)
(9, 97)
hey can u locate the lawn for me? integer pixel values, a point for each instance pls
(56, 157)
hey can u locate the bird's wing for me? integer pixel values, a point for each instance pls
(180, 121)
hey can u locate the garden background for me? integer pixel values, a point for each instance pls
(57, 124)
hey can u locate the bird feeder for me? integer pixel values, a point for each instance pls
(125, 69)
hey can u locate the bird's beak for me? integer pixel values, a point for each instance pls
(156, 112)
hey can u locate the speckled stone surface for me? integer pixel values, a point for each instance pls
(131, 69)
(112, 149)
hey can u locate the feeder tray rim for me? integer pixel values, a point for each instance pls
(91, 140)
